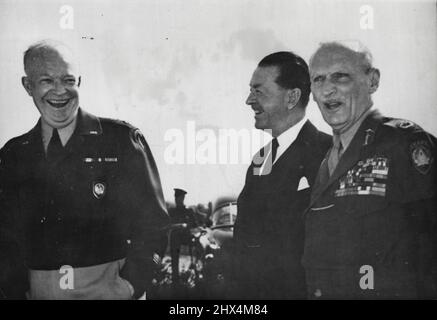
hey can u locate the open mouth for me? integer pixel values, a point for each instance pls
(258, 112)
(58, 103)
(332, 105)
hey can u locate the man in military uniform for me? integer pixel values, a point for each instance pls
(80, 195)
(371, 223)
(269, 228)
(181, 235)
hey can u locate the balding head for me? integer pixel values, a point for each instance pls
(52, 80)
(358, 54)
(48, 50)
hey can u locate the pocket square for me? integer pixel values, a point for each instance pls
(303, 184)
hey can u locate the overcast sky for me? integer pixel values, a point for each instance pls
(160, 64)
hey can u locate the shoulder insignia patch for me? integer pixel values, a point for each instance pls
(421, 156)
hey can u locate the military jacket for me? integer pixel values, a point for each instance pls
(101, 201)
(371, 226)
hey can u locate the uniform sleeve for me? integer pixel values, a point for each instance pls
(418, 193)
(146, 204)
(13, 273)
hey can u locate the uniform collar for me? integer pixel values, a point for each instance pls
(363, 138)
(64, 133)
(347, 136)
(88, 124)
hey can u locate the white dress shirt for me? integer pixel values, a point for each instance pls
(285, 139)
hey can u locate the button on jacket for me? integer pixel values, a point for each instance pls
(98, 202)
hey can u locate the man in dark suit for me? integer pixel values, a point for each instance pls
(269, 229)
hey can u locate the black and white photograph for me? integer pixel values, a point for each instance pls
(247, 150)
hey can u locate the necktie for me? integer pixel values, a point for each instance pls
(335, 154)
(268, 163)
(275, 145)
(55, 148)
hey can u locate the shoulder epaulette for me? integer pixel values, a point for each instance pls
(402, 124)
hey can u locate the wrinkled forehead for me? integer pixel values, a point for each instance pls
(335, 59)
(49, 60)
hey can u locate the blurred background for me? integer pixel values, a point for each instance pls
(159, 64)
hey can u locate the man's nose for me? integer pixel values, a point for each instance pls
(328, 88)
(250, 99)
(59, 87)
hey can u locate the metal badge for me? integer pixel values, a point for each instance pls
(99, 189)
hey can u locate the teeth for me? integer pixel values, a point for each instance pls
(258, 112)
(332, 105)
(58, 103)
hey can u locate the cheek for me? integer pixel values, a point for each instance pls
(73, 92)
(40, 91)
(315, 93)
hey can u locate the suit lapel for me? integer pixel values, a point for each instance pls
(293, 158)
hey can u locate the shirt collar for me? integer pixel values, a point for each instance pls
(64, 133)
(86, 124)
(286, 138)
(347, 136)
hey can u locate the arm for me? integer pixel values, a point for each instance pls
(13, 273)
(147, 210)
(419, 195)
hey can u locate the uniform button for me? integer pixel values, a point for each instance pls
(43, 219)
(318, 293)
(52, 202)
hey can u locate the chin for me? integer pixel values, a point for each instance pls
(260, 126)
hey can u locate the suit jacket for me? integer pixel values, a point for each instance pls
(370, 227)
(269, 230)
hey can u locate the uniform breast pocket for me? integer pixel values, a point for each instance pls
(362, 205)
(91, 184)
(379, 226)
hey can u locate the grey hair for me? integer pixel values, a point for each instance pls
(362, 53)
(45, 48)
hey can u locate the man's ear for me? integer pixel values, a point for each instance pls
(374, 76)
(25, 81)
(293, 97)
